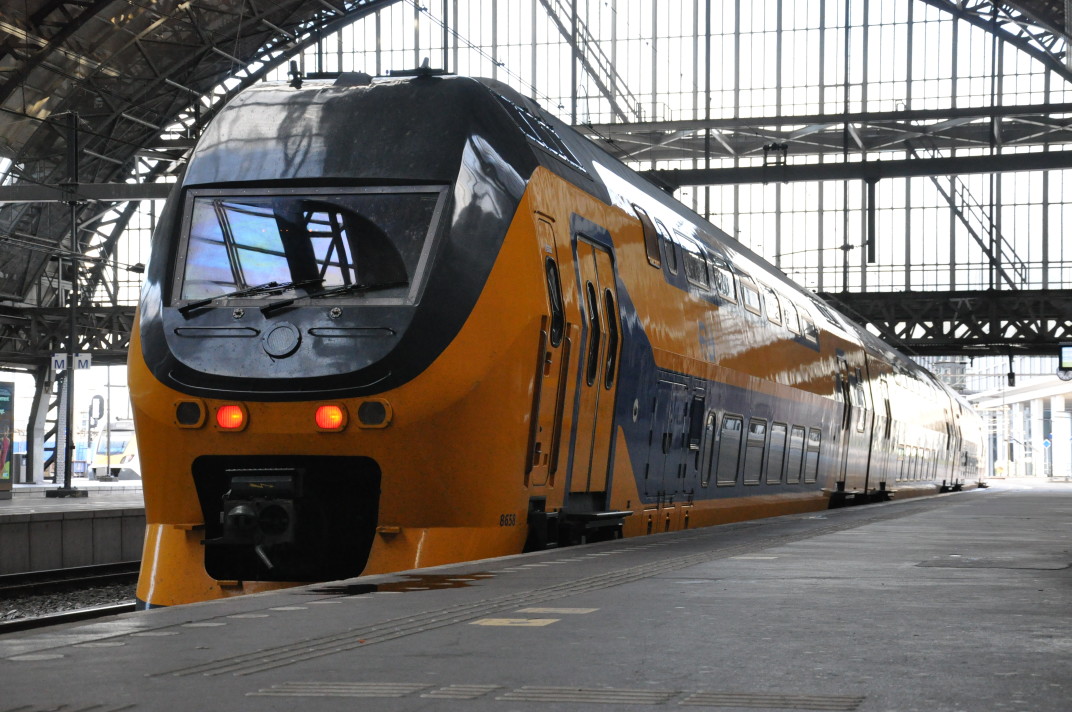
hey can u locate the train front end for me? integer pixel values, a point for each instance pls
(308, 362)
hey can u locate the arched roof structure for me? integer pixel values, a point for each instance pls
(142, 77)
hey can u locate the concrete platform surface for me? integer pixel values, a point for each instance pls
(957, 602)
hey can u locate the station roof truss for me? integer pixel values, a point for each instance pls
(143, 78)
(925, 135)
(980, 323)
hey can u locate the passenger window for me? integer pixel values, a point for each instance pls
(611, 313)
(811, 457)
(724, 281)
(792, 321)
(750, 295)
(594, 335)
(554, 294)
(696, 269)
(796, 455)
(774, 310)
(861, 402)
(669, 250)
(651, 237)
(708, 449)
(753, 453)
(729, 450)
(776, 455)
(695, 264)
(810, 332)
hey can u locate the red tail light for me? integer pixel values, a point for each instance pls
(231, 417)
(330, 417)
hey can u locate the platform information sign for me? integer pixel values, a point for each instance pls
(7, 435)
(81, 362)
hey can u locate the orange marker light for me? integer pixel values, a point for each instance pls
(231, 417)
(330, 417)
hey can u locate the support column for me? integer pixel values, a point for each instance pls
(35, 428)
(1061, 438)
(1017, 441)
(1036, 411)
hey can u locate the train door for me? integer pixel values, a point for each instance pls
(552, 363)
(666, 452)
(868, 433)
(597, 380)
(879, 473)
(855, 427)
(845, 394)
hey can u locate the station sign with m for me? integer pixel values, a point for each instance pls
(82, 362)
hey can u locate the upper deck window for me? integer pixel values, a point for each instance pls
(367, 244)
(651, 237)
(750, 293)
(792, 321)
(695, 264)
(811, 333)
(724, 281)
(669, 253)
(541, 133)
(774, 310)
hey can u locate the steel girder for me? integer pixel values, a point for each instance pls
(974, 130)
(981, 323)
(30, 335)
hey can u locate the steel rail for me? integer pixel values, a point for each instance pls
(59, 579)
(80, 614)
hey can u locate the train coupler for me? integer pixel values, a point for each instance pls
(259, 514)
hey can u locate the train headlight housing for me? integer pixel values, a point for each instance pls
(330, 417)
(231, 417)
(374, 413)
(189, 414)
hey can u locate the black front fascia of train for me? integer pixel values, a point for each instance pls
(448, 141)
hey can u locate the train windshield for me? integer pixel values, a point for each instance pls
(364, 244)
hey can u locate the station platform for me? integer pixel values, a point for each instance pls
(954, 602)
(38, 533)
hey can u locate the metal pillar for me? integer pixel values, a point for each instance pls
(66, 455)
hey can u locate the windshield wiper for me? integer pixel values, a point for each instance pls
(267, 309)
(266, 288)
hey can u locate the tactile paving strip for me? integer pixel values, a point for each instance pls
(577, 695)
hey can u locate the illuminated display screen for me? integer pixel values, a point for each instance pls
(1066, 357)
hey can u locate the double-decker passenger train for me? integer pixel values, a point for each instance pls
(394, 323)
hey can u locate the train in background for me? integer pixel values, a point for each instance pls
(394, 323)
(114, 455)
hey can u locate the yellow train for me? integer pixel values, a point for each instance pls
(402, 322)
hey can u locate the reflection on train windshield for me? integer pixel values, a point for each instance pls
(370, 240)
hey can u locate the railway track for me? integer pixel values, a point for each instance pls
(25, 591)
(80, 614)
(58, 580)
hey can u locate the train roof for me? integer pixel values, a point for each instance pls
(425, 121)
